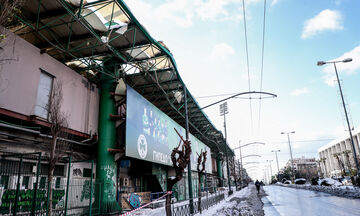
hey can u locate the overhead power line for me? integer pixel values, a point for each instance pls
(262, 65)
(247, 62)
(297, 141)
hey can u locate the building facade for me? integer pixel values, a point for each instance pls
(304, 167)
(122, 96)
(337, 157)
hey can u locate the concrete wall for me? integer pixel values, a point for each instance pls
(19, 79)
(331, 167)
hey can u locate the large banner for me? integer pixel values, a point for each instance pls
(150, 133)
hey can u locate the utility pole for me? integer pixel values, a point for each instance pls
(270, 170)
(266, 175)
(240, 174)
(241, 168)
(277, 163)
(320, 63)
(224, 111)
(291, 156)
(348, 123)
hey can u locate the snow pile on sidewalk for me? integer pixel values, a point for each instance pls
(329, 181)
(161, 211)
(245, 202)
(342, 191)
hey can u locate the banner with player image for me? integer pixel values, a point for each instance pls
(150, 133)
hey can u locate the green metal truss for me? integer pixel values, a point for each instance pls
(69, 32)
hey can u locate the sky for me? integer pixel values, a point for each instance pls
(207, 40)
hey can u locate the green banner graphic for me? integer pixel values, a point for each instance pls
(150, 133)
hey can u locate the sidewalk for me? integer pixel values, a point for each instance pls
(244, 202)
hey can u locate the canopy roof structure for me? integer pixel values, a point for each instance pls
(84, 34)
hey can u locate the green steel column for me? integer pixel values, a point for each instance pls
(91, 187)
(105, 164)
(219, 169)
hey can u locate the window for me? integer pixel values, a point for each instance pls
(42, 182)
(43, 94)
(87, 172)
(4, 182)
(25, 182)
(57, 182)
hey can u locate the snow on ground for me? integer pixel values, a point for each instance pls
(342, 191)
(245, 202)
(161, 211)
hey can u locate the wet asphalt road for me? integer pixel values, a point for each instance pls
(296, 202)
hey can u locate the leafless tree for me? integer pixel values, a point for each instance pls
(58, 124)
(201, 161)
(8, 9)
(341, 163)
(347, 156)
(180, 160)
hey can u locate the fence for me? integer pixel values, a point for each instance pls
(184, 210)
(24, 188)
(156, 195)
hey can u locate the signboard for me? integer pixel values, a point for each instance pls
(150, 133)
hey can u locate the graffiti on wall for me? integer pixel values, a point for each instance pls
(85, 193)
(109, 181)
(25, 199)
(134, 200)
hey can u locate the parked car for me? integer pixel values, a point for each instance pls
(346, 181)
(300, 181)
(329, 182)
(287, 182)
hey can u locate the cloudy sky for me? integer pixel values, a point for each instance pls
(207, 40)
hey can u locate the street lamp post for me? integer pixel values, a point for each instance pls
(270, 169)
(191, 201)
(320, 63)
(223, 112)
(241, 176)
(291, 156)
(234, 170)
(241, 157)
(266, 174)
(277, 163)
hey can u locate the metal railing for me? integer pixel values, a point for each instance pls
(24, 187)
(155, 195)
(184, 210)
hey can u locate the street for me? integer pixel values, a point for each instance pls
(296, 202)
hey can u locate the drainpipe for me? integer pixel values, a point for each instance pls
(91, 137)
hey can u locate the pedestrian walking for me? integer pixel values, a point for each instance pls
(257, 185)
